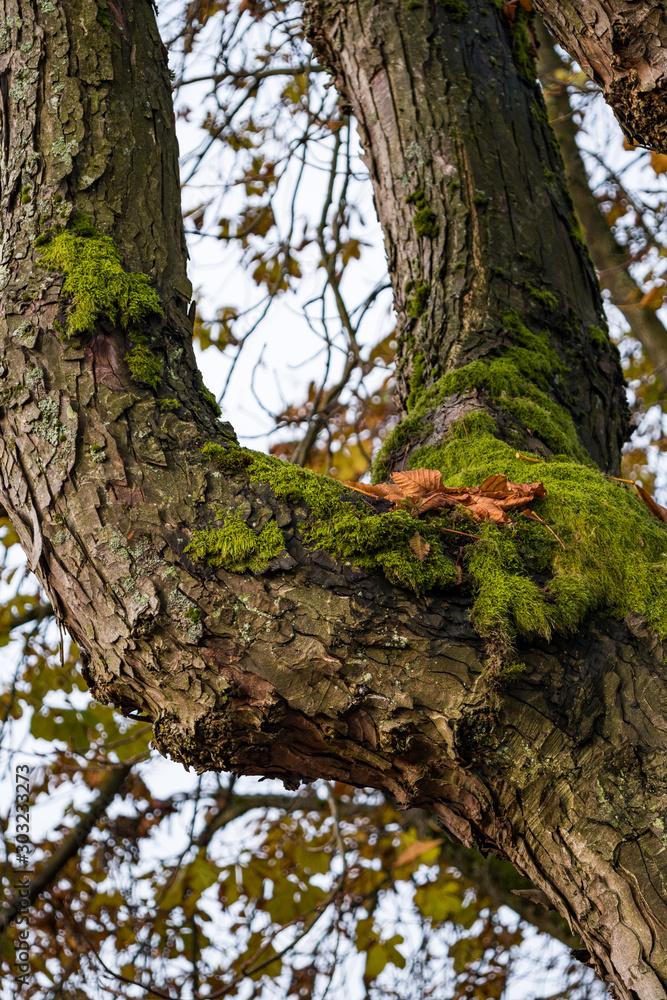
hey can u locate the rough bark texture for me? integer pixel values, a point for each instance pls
(459, 127)
(623, 47)
(611, 259)
(308, 667)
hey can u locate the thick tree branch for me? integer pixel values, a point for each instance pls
(611, 259)
(623, 47)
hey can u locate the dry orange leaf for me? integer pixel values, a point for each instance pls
(414, 851)
(655, 508)
(422, 490)
(653, 298)
(437, 501)
(659, 162)
(420, 548)
(418, 482)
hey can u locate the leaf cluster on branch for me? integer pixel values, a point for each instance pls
(422, 490)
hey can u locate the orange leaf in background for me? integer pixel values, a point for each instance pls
(414, 851)
(653, 298)
(659, 162)
(655, 508)
(420, 548)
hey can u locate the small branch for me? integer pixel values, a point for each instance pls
(70, 846)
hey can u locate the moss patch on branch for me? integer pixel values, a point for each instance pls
(145, 366)
(96, 280)
(524, 583)
(235, 546)
(352, 532)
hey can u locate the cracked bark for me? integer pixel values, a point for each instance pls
(623, 47)
(315, 669)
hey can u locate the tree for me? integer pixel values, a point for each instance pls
(199, 578)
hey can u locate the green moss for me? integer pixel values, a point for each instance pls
(26, 195)
(413, 5)
(456, 9)
(599, 338)
(104, 17)
(616, 552)
(510, 382)
(352, 532)
(235, 546)
(145, 366)
(417, 303)
(382, 541)
(208, 397)
(168, 405)
(577, 234)
(541, 116)
(426, 223)
(43, 239)
(297, 486)
(523, 46)
(547, 299)
(417, 379)
(417, 198)
(509, 672)
(96, 281)
(227, 460)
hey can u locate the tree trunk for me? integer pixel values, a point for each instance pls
(623, 47)
(199, 580)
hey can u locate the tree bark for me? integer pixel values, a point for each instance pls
(623, 47)
(611, 259)
(308, 666)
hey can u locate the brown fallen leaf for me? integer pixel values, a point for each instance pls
(418, 482)
(493, 484)
(487, 509)
(422, 490)
(437, 501)
(420, 548)
(655, 508)
(384, 490)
